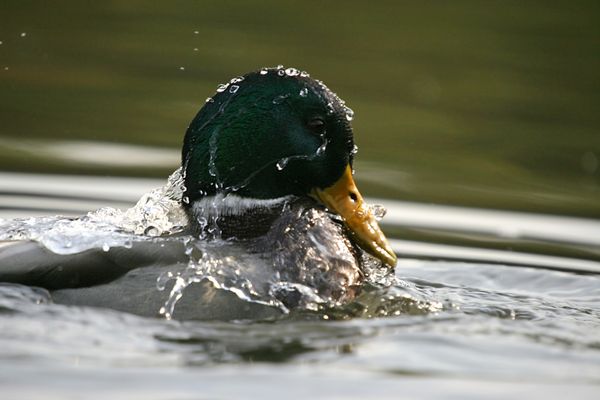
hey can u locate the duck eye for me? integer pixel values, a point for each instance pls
(317, 125)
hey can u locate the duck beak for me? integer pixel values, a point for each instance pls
(344, 198)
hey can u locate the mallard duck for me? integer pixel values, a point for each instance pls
(267, 169)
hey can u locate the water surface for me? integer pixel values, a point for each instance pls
(437, 329)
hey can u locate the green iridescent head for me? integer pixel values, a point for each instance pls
(275, 133)
(268, 134)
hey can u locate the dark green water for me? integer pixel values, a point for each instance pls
(489, 104)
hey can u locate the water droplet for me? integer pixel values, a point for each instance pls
(280, 66)
(163, 311)
(210, 100)
(195, 49)
(182, 68)
(281, 164)
(303, 92)
(0, 42)
(6, 68)
(128, 244)
(292, 72)
(378, 211)
(330, 109)
(322, 148)
(354, 149)
(264, 71)
(349, 114)
(23, 34)
(185, 199)
(237, 79)
(196, 32)
(304, 74)
(222, 87)
(233, 88)
(105, 247)
(281, 72)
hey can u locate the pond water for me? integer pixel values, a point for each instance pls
(493, 326)
(477, 129)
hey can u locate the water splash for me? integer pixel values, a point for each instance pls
(157, 213)
(232, 273)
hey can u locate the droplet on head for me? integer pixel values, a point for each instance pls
(185, 199)
(105, 247)
(304, 74)
(330, 109)
(264, 71)
(281, 72)
(303, 92)
(349, 114)
(354, 149)
(233, 88)
(280, 66)
(237, 79)
(322, 148)
(222, 87)
(209, 100)
(292, 72)
(281, 164)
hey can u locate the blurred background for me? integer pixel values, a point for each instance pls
(486, 104)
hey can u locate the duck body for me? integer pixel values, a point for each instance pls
(268, 193)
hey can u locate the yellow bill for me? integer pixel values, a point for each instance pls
(344, 198)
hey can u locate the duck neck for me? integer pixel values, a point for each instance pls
(231, 216)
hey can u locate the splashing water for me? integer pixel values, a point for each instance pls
(157, 213)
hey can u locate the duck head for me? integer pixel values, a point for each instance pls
(273, 134)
